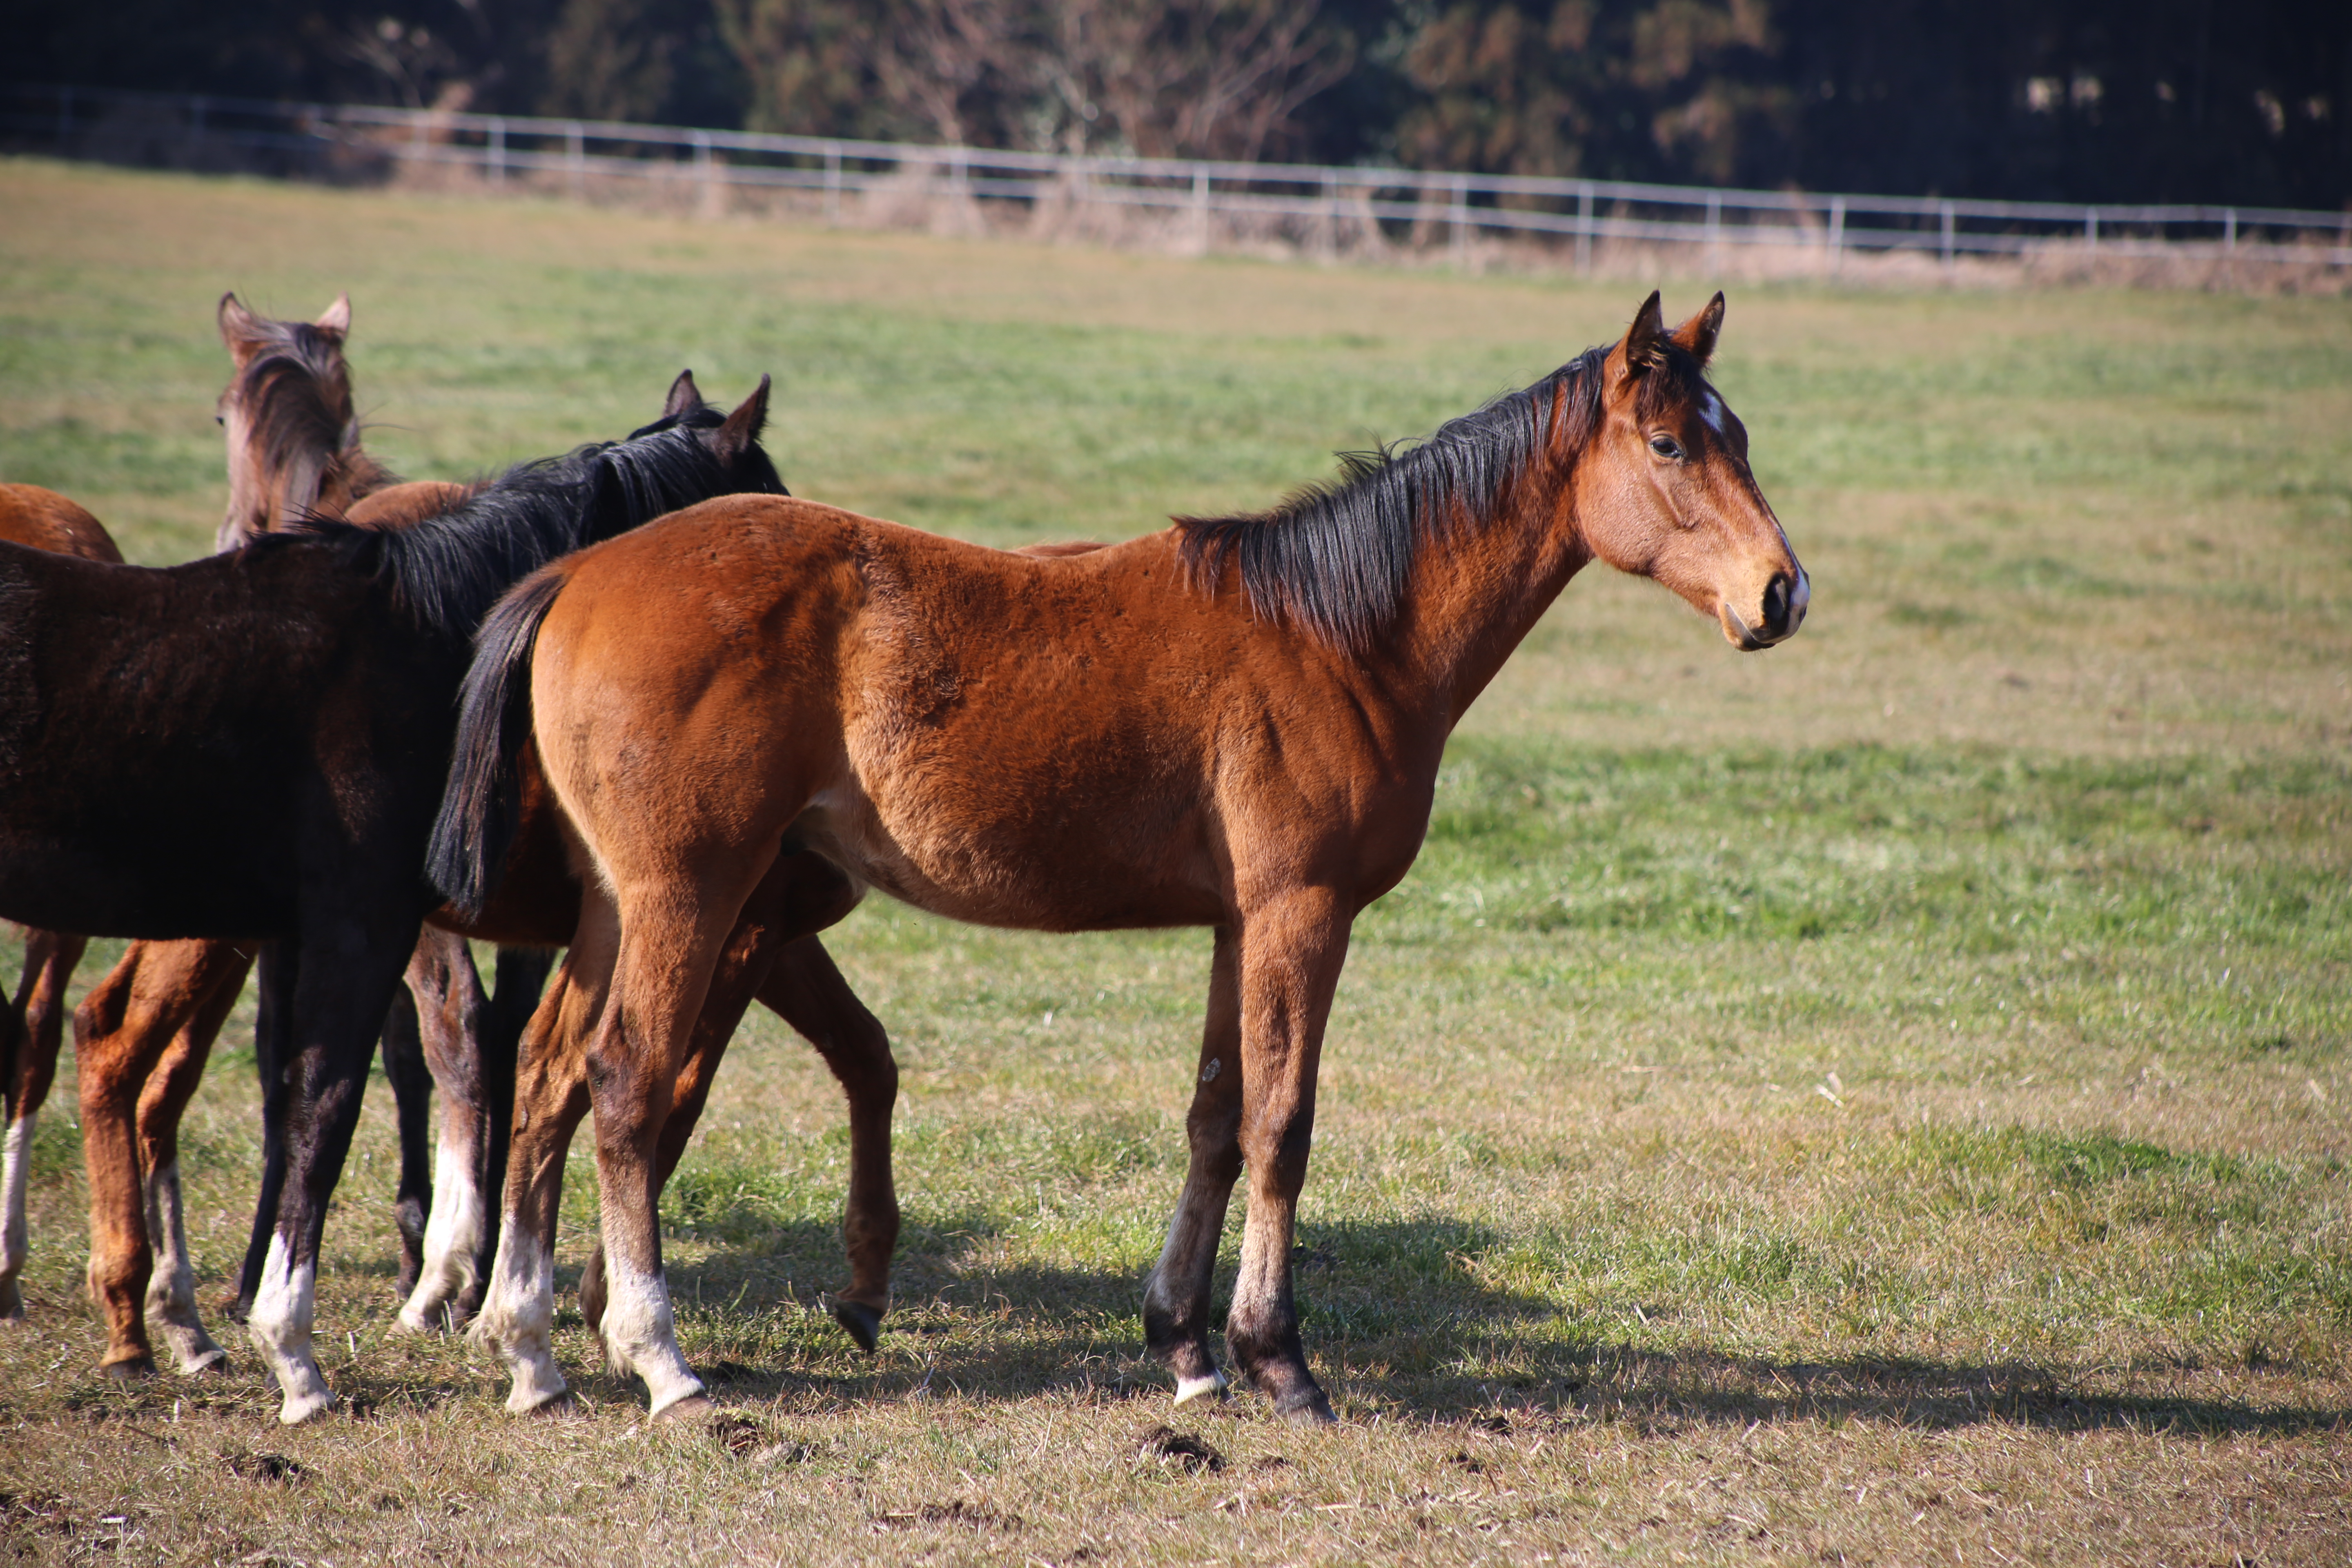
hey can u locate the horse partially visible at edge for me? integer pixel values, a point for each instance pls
(32, 1024)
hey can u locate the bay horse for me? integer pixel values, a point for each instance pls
(32, 1026)
(1235, 723)
(258, 757)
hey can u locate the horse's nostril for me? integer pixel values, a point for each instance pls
(1776, 606)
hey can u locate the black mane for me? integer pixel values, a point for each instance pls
(1337, 557)
(447, 570)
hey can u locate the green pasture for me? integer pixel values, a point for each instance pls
(1882, 1101)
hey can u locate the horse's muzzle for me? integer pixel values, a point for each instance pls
(1782, 612)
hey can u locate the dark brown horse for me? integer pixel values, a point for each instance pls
(32, 1027)
(259, 754)
(1236, 722)
(145, 1030)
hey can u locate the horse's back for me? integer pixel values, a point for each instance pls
(160, 742)
(45, 520)
(410, 502)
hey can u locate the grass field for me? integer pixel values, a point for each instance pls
(1884, 1101)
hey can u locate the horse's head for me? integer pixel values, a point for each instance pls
(293, 439)
(1665, 491)
(732, 439)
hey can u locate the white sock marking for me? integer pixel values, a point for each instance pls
(280, 1326)
(518, 1311)
(15, 1170)
(171, 1289)
(452, 1236)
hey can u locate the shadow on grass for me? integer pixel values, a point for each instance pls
(1393, 1318)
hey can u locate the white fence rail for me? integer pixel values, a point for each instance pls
(1311, 205)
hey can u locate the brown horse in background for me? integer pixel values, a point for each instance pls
(1236, 722)
(32, 1027)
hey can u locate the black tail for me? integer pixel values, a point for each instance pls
(481, 809)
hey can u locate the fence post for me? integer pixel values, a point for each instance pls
(1201, 206)
(497, 155)
(1584, 227)
(1837, 234)
(1946, 213)
(705, 175)
(416, 135)
(1715, 231)
(831, 182)
(1457, 215)
(2229, 228)
(1331, 225)
(575, 154)
(2091, 230)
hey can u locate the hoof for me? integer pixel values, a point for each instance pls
(1213, 1386)
(860, 1322)
(562, 1407)
(693, 1408)
(302, 1408)
(11, 1302)
(213, 1363)
(1307, 1409)
(128, 1368)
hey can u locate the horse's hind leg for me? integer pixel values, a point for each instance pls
(1176, 1298)
(673, 933)
(751, 952)
(352, 952)
(805, 989)
(121, 1032)
(171, 1289)
(38, 1023)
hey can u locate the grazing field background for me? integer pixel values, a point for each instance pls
(1886, 1100)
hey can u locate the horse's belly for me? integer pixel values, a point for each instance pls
(1005, 878)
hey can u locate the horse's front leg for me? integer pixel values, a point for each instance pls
(1292, 947)
(1176, 1298)
(550, 1096)
(347, 966)
(412, 1100)
(808, 992)
(37, 1021)
(450, 1008)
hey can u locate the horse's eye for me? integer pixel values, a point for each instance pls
(1666, 447)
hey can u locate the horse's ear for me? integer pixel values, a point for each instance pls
(336, 318)
(1699, 334)
(685, 397)
(1645, 337)
(732, 439)
(240, 329)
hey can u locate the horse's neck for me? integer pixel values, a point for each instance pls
(1479, 590)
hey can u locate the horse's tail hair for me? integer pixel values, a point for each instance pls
(481, 809)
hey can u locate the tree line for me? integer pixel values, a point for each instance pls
(2059, 99)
